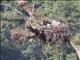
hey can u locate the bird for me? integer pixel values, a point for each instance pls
(28, 8)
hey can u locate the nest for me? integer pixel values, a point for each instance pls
(61, 32)
(54, 34)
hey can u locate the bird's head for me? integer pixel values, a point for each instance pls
(21, 2)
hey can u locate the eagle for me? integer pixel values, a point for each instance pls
(27, 7)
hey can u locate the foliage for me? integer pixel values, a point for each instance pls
(61, 10)
(76, 39)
